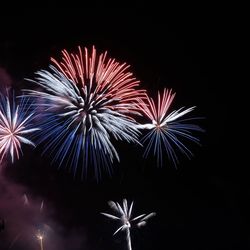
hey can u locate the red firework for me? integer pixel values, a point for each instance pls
(101, 77)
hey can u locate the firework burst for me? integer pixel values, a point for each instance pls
(167, 129)
(15, 126)
(88, 101)
(124, 215)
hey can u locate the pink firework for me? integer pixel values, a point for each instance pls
(15, 126)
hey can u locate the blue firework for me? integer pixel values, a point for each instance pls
(167, 130)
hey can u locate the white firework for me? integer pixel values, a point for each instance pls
(124, 215)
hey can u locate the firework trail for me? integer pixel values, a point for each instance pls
(15, 126)
(166, 128)
(40, 238)
(124, 215)
(88, 100)
(14, 240)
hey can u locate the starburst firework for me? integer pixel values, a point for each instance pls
(167, 129)
(15, 126)
(88, 101)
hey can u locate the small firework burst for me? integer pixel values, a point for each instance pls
(124, 215)
(167, 129)
(15, 126)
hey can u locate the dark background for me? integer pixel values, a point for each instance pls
(201, 205)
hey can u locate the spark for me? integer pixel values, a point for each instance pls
(25, 200)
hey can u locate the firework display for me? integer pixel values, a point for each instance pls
(115, 132)
(86, 101)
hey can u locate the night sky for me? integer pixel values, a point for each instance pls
(203, 204)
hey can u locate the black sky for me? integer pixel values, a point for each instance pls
(202, 204)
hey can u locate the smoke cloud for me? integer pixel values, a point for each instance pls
(26, 217)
